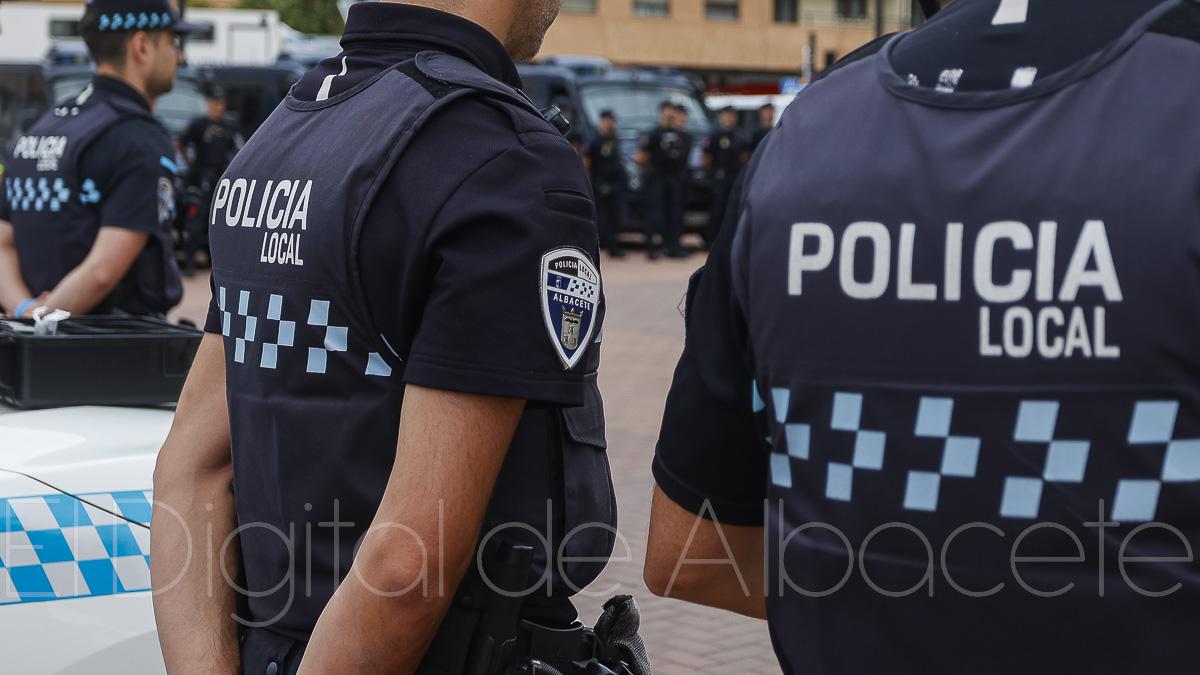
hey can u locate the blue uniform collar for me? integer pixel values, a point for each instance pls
(109, 87)
(408, 28)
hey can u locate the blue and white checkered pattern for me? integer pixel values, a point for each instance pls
(54, 547)
(582, 289)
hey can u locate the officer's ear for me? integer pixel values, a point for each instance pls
(140, 48)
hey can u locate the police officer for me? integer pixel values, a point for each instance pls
(766, 120)
(952, 383)
(664, 152)
(725, 151)
(399, 366)
(89, 193)
(603, 160)
(209, 143)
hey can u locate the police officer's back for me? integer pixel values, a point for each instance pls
(944, 355)
(403, 255)
(725, 151)
(603, 160)
(89, 190)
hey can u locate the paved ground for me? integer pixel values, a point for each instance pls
(643, 338)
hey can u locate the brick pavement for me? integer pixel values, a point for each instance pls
(643, 338)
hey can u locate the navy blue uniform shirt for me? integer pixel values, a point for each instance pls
(944, 352)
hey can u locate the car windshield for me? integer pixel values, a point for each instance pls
(636, 104)
(175, 109)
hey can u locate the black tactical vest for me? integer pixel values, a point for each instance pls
(315, 390)
(55, 213)
(975, 343)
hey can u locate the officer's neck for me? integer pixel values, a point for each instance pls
(107, 70)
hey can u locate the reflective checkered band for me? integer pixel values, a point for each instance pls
(54, 547)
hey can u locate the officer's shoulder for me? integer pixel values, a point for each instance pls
(864, 52)
(131, 138)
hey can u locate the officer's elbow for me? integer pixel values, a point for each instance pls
(104, 277)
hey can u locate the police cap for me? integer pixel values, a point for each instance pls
(102, 16)
(214, 92)
(607, 115)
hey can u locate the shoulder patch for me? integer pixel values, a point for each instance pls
(570, 292)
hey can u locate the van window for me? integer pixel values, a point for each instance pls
(636, 105)
(64, 28)
(12, 91)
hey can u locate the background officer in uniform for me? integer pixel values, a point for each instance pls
(422, 383)
(725, 151)
(89, 198)
(209, 143)
(603, 161)
(766, 120)
(664, 152)
(941, 372)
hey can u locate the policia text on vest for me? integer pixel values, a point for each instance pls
(1052, 331)
(279, 208)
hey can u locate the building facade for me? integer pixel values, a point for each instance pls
(733, 44)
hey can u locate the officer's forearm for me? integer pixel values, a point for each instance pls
(193, 518)
(13, 290)
(420, 544)
(692, 559)
(86, 286)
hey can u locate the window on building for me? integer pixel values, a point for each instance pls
(788, 11)
(203, 35)
(64, 28)
(721, 10)
(852, 9)
(918, 14)
(651, 7)
(584, 6)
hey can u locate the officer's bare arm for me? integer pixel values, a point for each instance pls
(193, 601)
(13, 290)
(730, 578)
(108, 262)
(449, 452)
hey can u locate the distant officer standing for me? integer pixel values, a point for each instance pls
(766, 120)
(725, 151)
(664, 152)
(603, 160)
(940, 395)
(209, 143)
(89, 194)
(399, 366)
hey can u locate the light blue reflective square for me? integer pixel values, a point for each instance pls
(275, 308)
(270, 356)
(1153, 421)
(756, 403)
(318, 313)
(1136, 501)
(244, 303)
(839, 482)
(226, 318)
(251, 328)
(1182, 462)
(1066, 461)
(1035, 421)
(1022, 498)
(960, 458)
(316, 360)
(933, 417)
(287, 333)
(922, 491)
(239, 350)
(781, 471)
(781, 398)
(868, 450)
(221, 298)
(798, 438)
(847, 412)
(377, 366)
(335, 338)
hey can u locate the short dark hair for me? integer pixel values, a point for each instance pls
(607, 115)
(765, 106)
(108, 47)
(681, 108)
(665, 104)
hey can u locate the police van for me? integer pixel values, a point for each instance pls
(584, 87)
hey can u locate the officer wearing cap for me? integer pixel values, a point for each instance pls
(941, 375)
(766, 120)
(400, 365)
(664, 152)
(602, 158)
(725, 151)
(89, 195)
(209, 143)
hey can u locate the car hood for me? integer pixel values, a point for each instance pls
(85, 449)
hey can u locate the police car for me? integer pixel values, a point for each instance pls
(75, 507)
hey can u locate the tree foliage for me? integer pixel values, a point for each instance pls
(315, 17)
